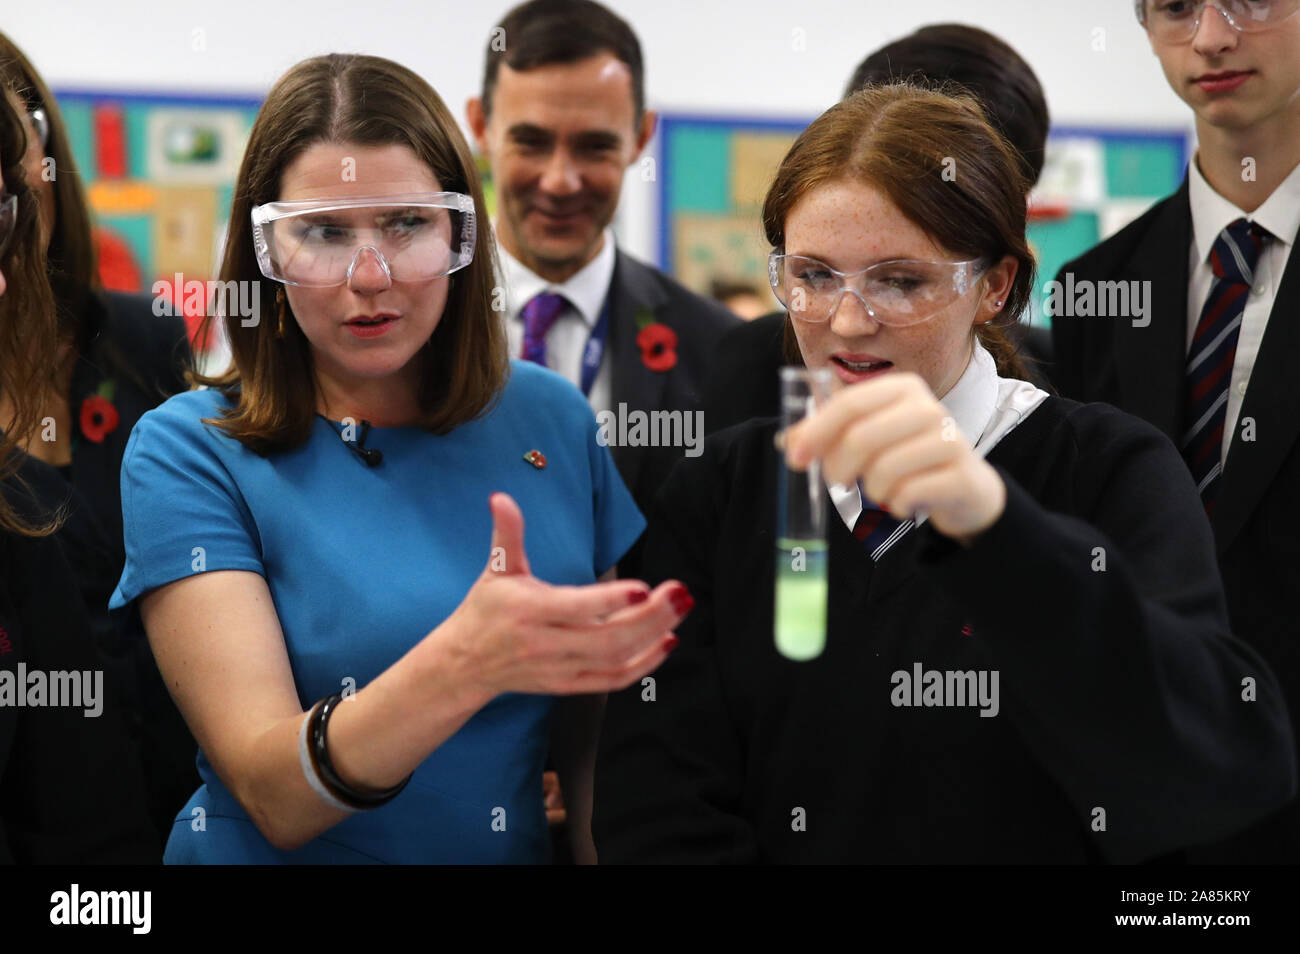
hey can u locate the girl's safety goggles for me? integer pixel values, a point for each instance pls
(898, 293)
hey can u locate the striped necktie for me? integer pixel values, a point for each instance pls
(876, 530)
(540, 314)
(1213, 349)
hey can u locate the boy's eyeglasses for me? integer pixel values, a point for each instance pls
(1175, 21)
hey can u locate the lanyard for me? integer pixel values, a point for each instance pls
(595, 348)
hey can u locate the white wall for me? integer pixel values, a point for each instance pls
(719, 56)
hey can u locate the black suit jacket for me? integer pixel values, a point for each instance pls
(637, 289)
(744, 381)
(1257, 517)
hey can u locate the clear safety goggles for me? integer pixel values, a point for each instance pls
(1178, 20)
(898, 293)
(41, 123)
(321, 242)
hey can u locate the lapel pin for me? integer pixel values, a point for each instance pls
(536, 458)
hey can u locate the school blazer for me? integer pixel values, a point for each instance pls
(1120, 734)
(1256, 523)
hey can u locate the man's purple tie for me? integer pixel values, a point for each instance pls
(539, 315)
(1213, 350)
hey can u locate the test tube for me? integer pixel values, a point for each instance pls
(801, 555)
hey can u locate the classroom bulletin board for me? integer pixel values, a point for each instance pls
(158, 171)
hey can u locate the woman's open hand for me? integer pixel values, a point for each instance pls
(893, 434)
(515, 633)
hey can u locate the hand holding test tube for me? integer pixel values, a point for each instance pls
(801, 551)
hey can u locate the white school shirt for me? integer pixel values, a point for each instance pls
(1211, 214)
(586, 291)
(984, 406)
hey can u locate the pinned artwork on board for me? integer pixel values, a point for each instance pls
(159, 171)
(190, 147)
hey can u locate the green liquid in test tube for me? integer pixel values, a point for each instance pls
(801, 553)
(801, 598)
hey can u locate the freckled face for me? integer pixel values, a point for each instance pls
(851, 226)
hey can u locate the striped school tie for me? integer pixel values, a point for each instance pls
(540, 314)
(1213, 349)
(876, 530)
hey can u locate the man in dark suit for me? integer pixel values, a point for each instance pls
(1208, 357)
(744, 380)
(561, 119)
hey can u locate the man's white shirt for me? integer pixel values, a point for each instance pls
(1211, 214)
(586, 291)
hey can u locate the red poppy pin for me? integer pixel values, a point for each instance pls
(658, 342)
(99, 417)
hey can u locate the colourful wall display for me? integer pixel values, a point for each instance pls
(158, 171)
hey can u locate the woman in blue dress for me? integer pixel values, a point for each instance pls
(326, 545)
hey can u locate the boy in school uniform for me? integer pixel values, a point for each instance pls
(1211, 362)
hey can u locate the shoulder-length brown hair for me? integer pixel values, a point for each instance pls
(366, 100)
(28, 338)
(901, 139)
(71, 253)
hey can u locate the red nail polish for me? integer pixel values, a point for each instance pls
(671, 643)
(637, 596)
(682, 600)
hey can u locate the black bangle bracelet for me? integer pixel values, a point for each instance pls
(325, 768)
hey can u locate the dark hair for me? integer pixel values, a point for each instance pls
(723, 288)
(542, 32)
(986, 66)
(901, 138)
(71, 252)
(28, 342)
(367, 100)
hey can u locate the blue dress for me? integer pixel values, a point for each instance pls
(362, 563)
